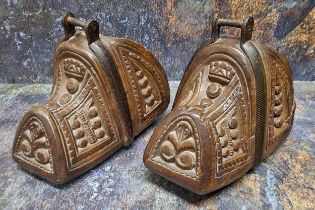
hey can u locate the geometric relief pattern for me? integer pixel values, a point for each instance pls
(221, 71)
(73, 68)
(82, 115)
(232, 145)
(86, 126)
(178, 148)
(223, 111)
(146, 91)
(191, 91)
(277, 106)
(281, 101)
(33, 145)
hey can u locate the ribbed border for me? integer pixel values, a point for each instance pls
(261, 95)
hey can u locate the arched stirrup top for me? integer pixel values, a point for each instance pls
(106, 90)
(90, 27)
(246, 27)
(233, 108)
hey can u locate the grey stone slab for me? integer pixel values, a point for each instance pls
(285, 180)
(173, 30)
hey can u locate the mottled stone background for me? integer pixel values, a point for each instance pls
(172, 29)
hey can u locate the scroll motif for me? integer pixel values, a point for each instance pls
(178, 147)
(190, 93)
(33, 145)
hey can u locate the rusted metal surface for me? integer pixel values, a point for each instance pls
(233, 108)
(172, 30)
(106, 90)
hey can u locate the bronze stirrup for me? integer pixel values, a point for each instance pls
(105, 91)
(233, 107)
